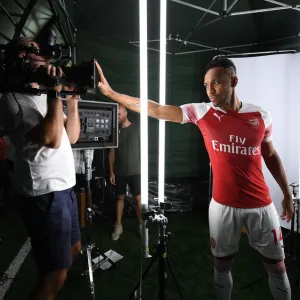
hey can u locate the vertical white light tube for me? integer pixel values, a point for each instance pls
(144, 100)
(144, 120)
(162, 100)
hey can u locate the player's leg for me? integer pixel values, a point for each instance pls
(121, 182)
(225, 225)
(265, 236)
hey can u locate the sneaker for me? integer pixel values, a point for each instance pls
(117, 232)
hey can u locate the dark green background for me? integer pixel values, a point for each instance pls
(185, 152)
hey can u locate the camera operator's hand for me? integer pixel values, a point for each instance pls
(103, 85)
(71, 98)
(55, 73)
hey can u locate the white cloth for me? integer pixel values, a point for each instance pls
(262, 225)
(38, 169)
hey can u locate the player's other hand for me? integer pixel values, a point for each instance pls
(103, 85)
(287, 208)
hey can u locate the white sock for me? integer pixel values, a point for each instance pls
(223, 284)
(280, 286)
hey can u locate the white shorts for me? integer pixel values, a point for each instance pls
(262, 225)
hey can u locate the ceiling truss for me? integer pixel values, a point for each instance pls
(21, 20)
(225, 13)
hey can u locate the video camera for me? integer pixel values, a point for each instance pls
(16, 75)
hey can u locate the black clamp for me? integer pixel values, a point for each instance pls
(53, 94)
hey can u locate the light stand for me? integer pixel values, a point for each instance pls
(153, 216)
(88, 218)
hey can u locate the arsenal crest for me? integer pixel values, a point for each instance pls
(254, 122)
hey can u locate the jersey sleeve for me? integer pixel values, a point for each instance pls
(268, 126)
(193, 112)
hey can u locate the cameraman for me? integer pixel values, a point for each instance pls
(44, 173)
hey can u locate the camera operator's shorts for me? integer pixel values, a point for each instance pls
(52, 224)
(262, 225)
(133, 181)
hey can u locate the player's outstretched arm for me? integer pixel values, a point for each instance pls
(162, 112)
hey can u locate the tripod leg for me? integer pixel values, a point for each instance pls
(174, 277)
(162, 271)
(90, 270)
(144, 275)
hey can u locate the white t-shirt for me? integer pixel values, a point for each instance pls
(38, 169)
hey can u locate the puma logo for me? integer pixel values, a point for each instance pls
(219, 117)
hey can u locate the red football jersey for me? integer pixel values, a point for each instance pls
(233, 141)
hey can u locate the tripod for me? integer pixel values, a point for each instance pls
(295, 250)
(88, 218)
(161, 255)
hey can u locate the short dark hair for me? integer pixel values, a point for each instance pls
(223, 62)
(14, 46)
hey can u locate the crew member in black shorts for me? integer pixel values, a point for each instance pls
(125, 168)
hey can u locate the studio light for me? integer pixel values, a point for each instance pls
(162, 100)
(144, 120)
(144, 102)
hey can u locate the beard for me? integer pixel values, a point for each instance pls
(122, 120)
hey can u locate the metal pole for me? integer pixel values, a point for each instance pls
(149, 41)
(66, 14)
(232, 5)
(212, 22)
(10, 17)
(58, 24)
(259, 11)
(225, 5)
(19, 4)
(197, 7)
(24, 18)
(153, 49)
(5, 36)
(282, 4)
(204, 50)
(193, 29)
(68, 22)
(239, 46)
(263, 53)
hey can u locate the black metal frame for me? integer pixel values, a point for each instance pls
(55, 5)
